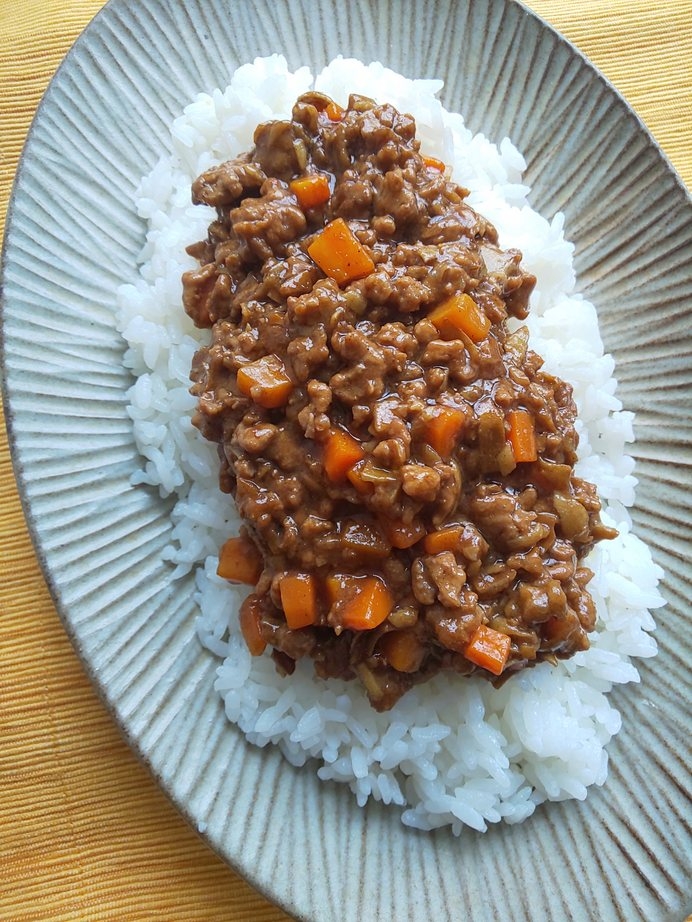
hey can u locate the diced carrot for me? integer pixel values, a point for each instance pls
(445, 539)
(334, 111)
(361, 602)
(337, 586)
(311, 190)
(522, 435)
(433, 163)
(265, 381)
(298, 599)
(368, 606)
(402, 650)
(460, 314)
(250, 625)
(403, 535)
(441, 428)
(489, 649)
(240, 561)
(341, 452)
(339, 254)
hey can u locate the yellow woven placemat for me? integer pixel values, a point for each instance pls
(85, 834)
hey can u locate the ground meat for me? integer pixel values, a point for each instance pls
(373, 447)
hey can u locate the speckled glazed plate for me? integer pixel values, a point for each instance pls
(74, 237)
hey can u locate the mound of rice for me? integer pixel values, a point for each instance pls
(455, 751)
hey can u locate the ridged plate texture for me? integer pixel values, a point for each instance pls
(74, 237)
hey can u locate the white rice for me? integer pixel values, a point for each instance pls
(455, 751)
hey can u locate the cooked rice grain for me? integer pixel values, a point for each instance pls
(455, 752)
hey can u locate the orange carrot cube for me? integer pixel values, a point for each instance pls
(489, 649)
(265, 381)
(311, 190)
(522, 436)
(298, 599)
(240, 561)
(460, 315)
(442, 426)
(339, 254)
(341, 452)
(445, 539)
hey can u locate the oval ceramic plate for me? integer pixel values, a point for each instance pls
(74, 237)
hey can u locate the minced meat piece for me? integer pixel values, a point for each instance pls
(399, 458)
